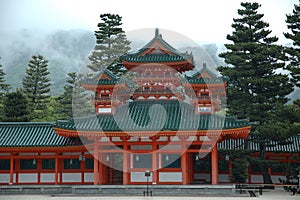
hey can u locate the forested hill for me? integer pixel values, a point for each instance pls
(67, 51)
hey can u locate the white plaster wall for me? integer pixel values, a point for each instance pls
(171, 147)
(257, 179)
(88, 177)
(4, 178)
(139, 177)
(28, 178)
(48, 177)
(224, 178)
(192, 138)
(48, 154)
(275, 179)
(202, 176)
(71, 177)
(170, 177)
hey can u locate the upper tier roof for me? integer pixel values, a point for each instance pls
(158, 51)
(105, 77)
(205, 76)
(134, 117)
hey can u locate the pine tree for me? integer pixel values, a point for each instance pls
(293, 23)
(4, 88)
(74, 96)
(36, 85)
(111, 43)
(65, 100)
(255, 88)
(15, 107)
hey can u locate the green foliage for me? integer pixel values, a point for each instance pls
(15, 107)
(256, 89)
(111, 43)
(74, 96)
(36, 85)
(81, 99)
(4, 88)
(239, 170)
(64, 109)
(293, 23)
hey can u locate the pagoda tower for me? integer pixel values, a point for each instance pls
(167, 140)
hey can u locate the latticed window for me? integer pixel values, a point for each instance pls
(142, 160)
(71, 164)
(27, 164)
(89, 163)
(171, 160)
(5, 164)
(48, 164)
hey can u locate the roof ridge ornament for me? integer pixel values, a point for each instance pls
(156, 32)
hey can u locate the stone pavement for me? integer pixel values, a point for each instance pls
(277, 194)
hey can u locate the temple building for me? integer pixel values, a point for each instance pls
(156, 119)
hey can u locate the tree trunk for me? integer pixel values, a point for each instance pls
(263, 165)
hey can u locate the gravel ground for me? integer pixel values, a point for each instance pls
(277, 194)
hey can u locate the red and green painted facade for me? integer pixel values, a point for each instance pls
(180, 141)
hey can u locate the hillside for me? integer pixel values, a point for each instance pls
(65, 50)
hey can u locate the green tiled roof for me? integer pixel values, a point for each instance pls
(156, 58)
(292, 146)
(30, 134)
(152, 58)
(204, 80)
(97, 81)
(193, 79)
(168, 115)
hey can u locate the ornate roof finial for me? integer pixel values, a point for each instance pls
(204, 64)
(156, 32)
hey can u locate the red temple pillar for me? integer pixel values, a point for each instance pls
(184, 168)
(101, 168)
(96, 162)
(184, 161)
(155, 164)
(214, 165)
(56, 168)
(125, 164)
(11, 170)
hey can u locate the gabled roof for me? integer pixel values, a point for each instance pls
(204, 72)
(205, 76)
(105, 77)
(157, 51)
(30, 134)
(168, 115)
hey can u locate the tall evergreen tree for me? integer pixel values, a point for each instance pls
(74, 96)
(293, 23)
(111, 43)
(15, 107)
(4, 88)
(255, 88)
(65, 100)
(36, 85)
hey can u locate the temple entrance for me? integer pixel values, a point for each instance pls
(202, 169)
(114, 169)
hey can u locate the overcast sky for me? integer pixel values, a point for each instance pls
(200, 20)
